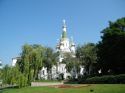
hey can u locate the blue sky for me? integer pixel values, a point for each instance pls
(40, 22)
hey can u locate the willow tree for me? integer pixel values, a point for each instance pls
(31, 61)
(37, 56)
(26, 60)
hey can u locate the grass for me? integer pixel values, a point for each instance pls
(93, 88)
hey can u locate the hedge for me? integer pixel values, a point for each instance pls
(107, 79)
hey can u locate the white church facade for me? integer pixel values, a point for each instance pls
(65, 45)
(0, 63)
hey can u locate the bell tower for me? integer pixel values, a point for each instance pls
(65, 45)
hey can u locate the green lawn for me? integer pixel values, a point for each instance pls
(98, 88)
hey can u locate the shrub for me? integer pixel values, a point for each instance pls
(120, 78)
(107, 79)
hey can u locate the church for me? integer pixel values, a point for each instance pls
(65, 45)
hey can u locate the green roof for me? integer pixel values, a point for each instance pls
(64, 34)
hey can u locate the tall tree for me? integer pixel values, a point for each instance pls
(87, 57)
(26, 60)
(37, 59)
(31, 61)
(6, 74)
(111, 49)
(72, 63)
(12, 76)
(49, 60)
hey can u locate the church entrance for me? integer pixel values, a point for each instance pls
(61, 76)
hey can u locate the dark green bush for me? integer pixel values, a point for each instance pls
(107, 79)
(120, 78)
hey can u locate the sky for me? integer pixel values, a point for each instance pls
(40, 22)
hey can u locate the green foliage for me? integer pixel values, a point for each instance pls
(6, 75)
(27, 67)
(12, 76)
(49, 59)
(107, 79)
(22, 81)
(1, 74)
(33, 58)
(71, 62)
(111, 49)
(31, 61)
(87, 56)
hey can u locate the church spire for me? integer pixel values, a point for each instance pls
(64, 24)
(64, 33)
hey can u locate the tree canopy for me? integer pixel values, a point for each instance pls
(111, 49)
(87, 56)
